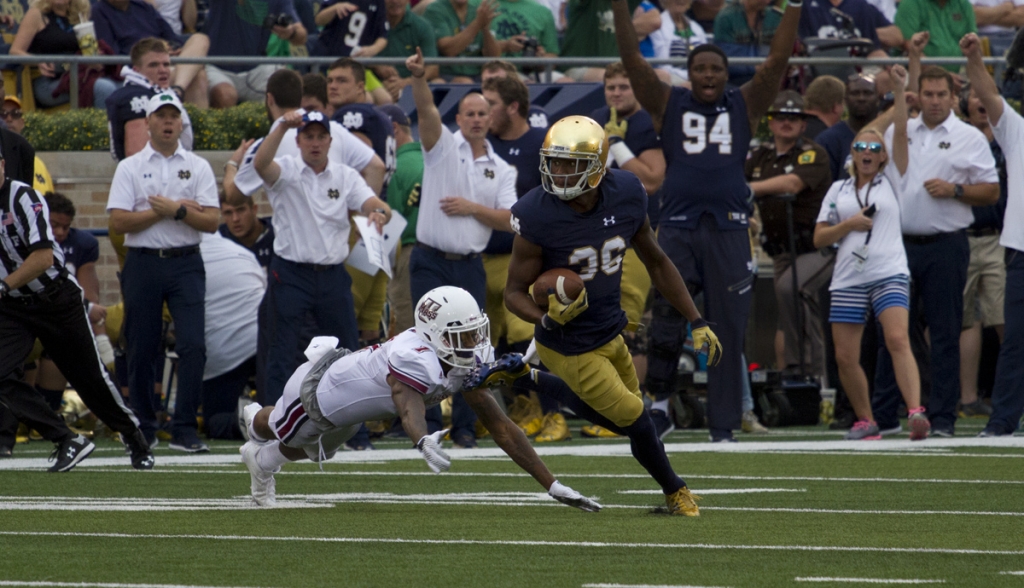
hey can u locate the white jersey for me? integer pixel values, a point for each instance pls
(355, 388)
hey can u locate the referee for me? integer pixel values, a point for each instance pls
(38, 299)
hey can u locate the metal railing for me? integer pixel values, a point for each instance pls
(548, 65)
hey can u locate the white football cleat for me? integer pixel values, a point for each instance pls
(263, 486)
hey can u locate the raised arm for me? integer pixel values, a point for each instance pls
(650, 91)
(982, 83)
(900, 153)
(426, 111)
(264, 163)
(760, 92)
(915, 49)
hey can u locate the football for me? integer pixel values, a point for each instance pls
(563, 283)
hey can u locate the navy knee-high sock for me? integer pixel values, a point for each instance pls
(646, 447)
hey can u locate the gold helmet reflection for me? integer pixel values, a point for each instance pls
(577, 138)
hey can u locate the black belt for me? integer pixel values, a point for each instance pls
(929, 239)
(172, 252)
(316, 266)
(987, 232)
(446, 255)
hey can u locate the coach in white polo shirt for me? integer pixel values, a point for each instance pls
(312, 197)
(467, 192)
(1008, 128)
(162, 199)
(950, 169)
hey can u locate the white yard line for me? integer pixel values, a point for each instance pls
(523, 543)
(870, 580)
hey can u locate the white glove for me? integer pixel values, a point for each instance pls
(430, 447)
(568, 496)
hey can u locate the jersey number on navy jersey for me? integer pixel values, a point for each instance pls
(356, 24)
(610, 258)
(695, 129)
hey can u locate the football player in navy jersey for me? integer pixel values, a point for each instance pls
(351, 28)
(346, 90)
(583, 218)
(243, 225)
(705, 204)
(499, 68)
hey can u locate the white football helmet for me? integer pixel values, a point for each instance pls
(450, 321)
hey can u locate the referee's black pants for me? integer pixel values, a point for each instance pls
(57, 317)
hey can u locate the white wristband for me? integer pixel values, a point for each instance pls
(621, 153)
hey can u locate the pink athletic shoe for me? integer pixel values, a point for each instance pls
(919, 425)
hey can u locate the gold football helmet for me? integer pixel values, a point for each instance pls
(582, 140)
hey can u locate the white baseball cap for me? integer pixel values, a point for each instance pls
(163, 99)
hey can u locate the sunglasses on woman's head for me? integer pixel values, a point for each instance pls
(872, 147)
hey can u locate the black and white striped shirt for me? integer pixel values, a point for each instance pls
(24, 228)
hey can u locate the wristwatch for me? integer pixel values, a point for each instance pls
(182, 211)
(958, 191)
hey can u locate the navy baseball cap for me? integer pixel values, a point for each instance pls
(315, 118)
(396, 114)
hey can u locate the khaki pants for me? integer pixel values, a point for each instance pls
(813, 271)
(400, 293)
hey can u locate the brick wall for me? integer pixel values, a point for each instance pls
(85, 178)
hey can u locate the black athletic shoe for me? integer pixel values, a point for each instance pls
(139, 449)
(70, 452)
(6, 451)
(188, 441)
(662, 423)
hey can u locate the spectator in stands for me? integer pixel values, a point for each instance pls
(850, 19)
(123, 23)
(463, 28)
(998, 21)
(180, 14)
(951, 169)
(235, 284)
(682, 34)
(350, 29)
(162, 199)
(240, 29)
(525, 28)
(986, 273)
(823, 102)
(12, 115)
(745, 28)
(793, 164)
(862, 214)
(591, 33)
(48, 29)
(467, 193)
(242, 223)
(862, 106)
(407, 31)
(404, 198)
(945, 20)
(1008, 130)
(703, 12)
(149, 75)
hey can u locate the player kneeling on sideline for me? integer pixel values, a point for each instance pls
(583, 217)
(328, 397)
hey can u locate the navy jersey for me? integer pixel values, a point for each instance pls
(705, 149)
(366, 119)
(126, 104)
(524, 155)
(640, 134)
(359, 29)
(538, 118)
(79, 248)
(263, 248)
(591, 244)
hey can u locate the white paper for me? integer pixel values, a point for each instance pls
(373, 251)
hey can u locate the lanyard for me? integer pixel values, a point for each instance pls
(867, 202)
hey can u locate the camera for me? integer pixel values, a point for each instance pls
(530, 45)
(276, 20)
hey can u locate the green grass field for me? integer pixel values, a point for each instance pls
(797, 508)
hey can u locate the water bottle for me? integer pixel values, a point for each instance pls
(833, 214)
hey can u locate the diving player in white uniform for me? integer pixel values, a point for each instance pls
(327, 398)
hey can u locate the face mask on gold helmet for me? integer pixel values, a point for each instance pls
(581, 140)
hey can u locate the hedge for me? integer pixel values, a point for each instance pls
(85, 129)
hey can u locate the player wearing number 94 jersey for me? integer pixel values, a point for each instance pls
(705, 202)
(582, 218)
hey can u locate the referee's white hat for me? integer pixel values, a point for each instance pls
(163, 99)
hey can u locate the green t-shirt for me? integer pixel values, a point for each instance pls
(525, 16)
(731, 26)
(411, 32)
(441, 15)
(591, 29)
(404, 187)
(947, 25)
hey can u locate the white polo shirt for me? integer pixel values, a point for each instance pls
(953, 151)
(182, 176)
(450, 170)
(345, 148)
(235, 284)
(1009, 133)
(311, 210)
